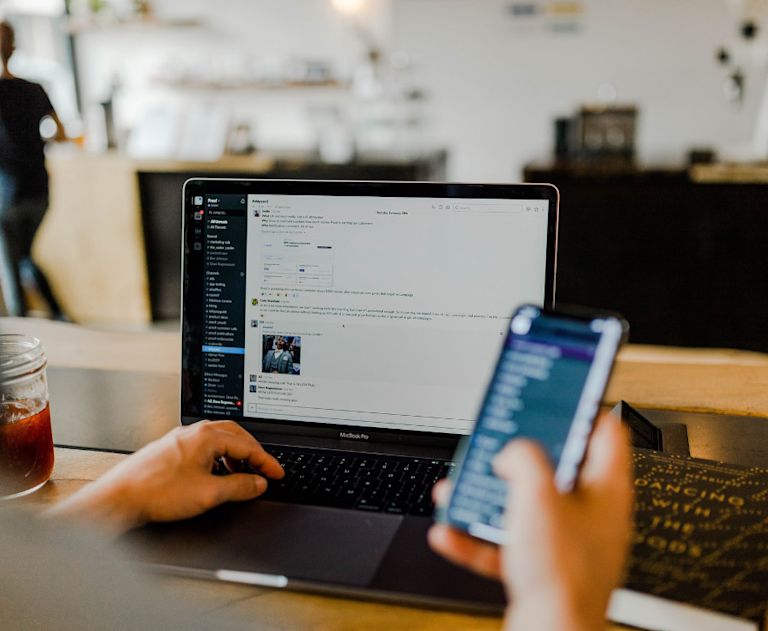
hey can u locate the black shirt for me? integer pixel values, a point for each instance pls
(22, 106)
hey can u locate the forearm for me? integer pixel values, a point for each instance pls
(104, 504)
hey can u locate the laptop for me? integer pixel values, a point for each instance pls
(352, 328)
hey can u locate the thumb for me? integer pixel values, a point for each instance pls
(238, 487)
(607, 464)
(527, 469)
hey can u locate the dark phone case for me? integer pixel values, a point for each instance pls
(568, 312)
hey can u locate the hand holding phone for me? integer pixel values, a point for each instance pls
(548, 384)
(566, 550)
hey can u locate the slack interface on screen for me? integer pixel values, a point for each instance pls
(224, 255)
(377, 312)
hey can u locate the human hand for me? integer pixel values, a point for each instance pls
(171, 478)
(565, 552)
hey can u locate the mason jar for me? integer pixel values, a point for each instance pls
(26, 442)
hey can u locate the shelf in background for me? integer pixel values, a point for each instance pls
(253, 85)
(84, 25)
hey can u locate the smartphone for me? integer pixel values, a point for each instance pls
(548, 385)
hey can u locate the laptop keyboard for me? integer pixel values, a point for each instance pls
(374, 482)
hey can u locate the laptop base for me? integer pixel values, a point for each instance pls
(352, 553)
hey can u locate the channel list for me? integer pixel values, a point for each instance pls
(224, 304)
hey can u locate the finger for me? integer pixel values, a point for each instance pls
(235, 442)
(256, 455)
(527, 468)
(236, 466)
(459, 548)
(608, 457)
(441, 492)
(238, 487)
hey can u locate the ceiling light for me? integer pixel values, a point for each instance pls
(348, 7)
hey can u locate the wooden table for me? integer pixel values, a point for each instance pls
(714, 381)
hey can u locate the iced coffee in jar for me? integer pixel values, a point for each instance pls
(26, 442)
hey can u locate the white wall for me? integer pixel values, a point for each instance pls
(232, 34)
(496, 87)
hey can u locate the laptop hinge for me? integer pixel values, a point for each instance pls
(390, 449)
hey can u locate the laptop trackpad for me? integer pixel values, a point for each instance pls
(300, 542)
(325, 544)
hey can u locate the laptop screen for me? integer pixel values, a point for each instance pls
(366, 312)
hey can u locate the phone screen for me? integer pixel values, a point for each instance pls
(547, 386)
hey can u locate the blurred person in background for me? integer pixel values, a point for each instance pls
(23, 177)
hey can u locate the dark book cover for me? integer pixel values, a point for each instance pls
(701, 533)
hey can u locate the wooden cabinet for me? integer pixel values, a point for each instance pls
(111, 242)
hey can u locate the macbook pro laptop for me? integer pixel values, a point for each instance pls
(351, 327)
